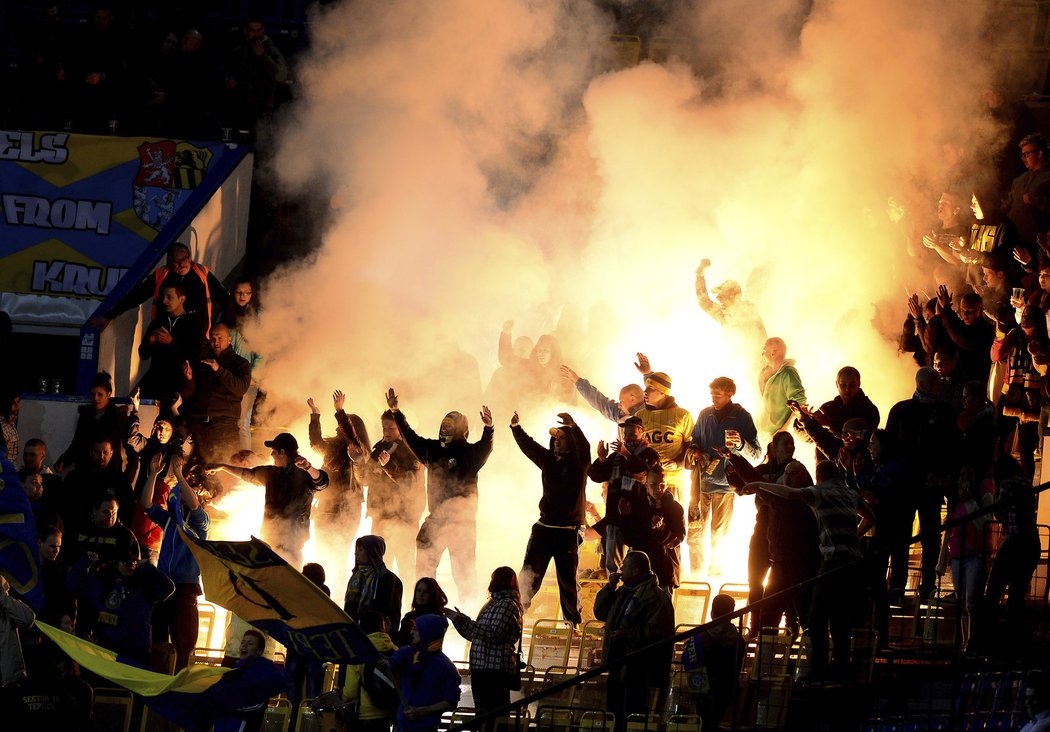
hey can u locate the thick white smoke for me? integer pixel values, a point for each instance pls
(485, 170)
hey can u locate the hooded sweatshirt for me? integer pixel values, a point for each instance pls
(564, 476)
(426, 675)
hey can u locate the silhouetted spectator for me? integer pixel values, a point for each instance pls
(372, 585)
(655, 524)
(925, 432)
(558, 533)
(396, 496)
(851, 402)
(452, 493)
(254, 72)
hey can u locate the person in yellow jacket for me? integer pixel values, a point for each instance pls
(371, 717)
(667, 426)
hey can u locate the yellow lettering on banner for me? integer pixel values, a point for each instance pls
(29, 584)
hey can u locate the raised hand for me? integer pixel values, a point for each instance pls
(514, 420)
(565, 419)
(486, 416)
(704, 264)
(568, 374)
(391, 399)
(508, 326)
(643, 364)
(338, 400)
(944, 298)
(314, 409)
(603, 450)
(914, 307)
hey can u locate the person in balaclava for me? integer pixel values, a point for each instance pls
(372, 585)
(559, 532)
(427, 678)
(452, 493)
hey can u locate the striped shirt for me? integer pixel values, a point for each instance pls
(835, 507)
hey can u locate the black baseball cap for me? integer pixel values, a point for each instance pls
(284, 441)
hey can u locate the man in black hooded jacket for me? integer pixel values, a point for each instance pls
(452, 493)
(559, 532)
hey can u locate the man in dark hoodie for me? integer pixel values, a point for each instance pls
(452, 493)
(559, 532)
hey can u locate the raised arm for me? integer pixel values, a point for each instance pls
(531, 449)
(708, 305)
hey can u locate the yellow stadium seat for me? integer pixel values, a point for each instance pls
(278, 715)
(691, 602)
(550, 643)
(592, 635)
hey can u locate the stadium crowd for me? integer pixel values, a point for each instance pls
(115, 570)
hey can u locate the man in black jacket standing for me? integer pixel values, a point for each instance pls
(290, 484)
(212, 392)
(559, 532)
(452, 493)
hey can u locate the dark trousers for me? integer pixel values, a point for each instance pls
(563, 546)
(758, 564)
(927, 504)
(178, 618)
(794, 606)
(490, 689)
(1011, 573)
(832, 599)
(216, 439)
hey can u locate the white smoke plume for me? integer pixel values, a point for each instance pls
(484, 169)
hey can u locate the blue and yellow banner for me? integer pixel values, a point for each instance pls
(251, 580)
(76, 211)
(19, 551)
(195, 697)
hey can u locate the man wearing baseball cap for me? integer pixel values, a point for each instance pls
(290, 484)
(667, 425)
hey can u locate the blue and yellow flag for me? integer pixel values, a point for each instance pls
(195, 697)
(19, 552)
(251, 580)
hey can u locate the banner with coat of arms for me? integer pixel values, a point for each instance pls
(77, 210)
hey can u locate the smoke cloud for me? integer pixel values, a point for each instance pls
(484, 166)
